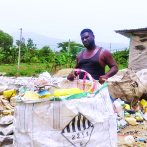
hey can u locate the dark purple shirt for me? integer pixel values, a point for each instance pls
(91, 65)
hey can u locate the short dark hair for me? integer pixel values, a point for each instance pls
(86, 30)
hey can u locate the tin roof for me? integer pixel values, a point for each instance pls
(131, 32)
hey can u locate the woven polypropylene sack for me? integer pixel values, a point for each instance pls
(126, 85)
(142, 74)
(81, 120)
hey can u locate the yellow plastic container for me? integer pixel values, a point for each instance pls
(143, 103)
(145, 110)
(138, 118)
(64, 92)
(127, 106)
(31, 95)
(9, 93)
(46, 96)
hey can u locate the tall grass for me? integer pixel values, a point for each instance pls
(32, 69)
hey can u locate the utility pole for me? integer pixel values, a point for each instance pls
(19, 48)
(68, 52)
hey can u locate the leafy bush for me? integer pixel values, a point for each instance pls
(1, 58)
(121, 57)
(24, 73)
(42, 60)
(11, 73)
(38, 71)
(34, 60)
(26, 57)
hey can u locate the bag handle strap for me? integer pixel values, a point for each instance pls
(87, 75)
(79, 70)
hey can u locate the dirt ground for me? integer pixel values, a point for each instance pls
(141, 134)
(63, 72)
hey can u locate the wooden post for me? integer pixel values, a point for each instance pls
(19, 49)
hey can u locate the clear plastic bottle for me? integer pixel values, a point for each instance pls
(117, 106)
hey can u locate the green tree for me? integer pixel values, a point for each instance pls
(46, 53)
(26, 57)
(64, 45)
(28, 52)
(6, 40)
(71, 53)
(30, 44)
(14, 54)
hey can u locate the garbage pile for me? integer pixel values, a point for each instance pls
(127, 88)
(127, 117)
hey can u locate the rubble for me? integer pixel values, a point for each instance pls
(128, 114)
(132, 117)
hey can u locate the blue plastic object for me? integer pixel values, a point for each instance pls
(141, 139)
(44, 92)
(122, 103)
(117, 121)
(111, 99)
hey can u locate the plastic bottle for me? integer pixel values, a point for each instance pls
(129, 140)
(122, 103)
(118, 123)
(117, 106)
(131, 121)
(121, 114)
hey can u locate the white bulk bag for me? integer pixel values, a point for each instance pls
(81, 120)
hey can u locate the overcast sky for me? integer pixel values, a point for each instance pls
(64, 19)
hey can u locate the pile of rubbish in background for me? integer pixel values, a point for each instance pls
(126, 89)
(127, 117)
